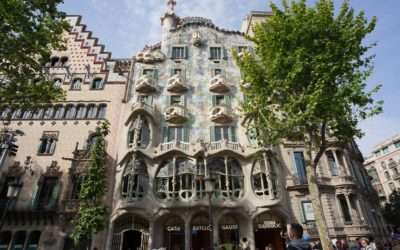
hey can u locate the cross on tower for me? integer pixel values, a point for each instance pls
(171, 4)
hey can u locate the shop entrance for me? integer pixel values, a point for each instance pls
(200, 233)
(131, 240)
(130, 233)
(267, 229)
(174, 234)
(228, 233)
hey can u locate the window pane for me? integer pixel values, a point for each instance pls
(178, 52)
(102, 111)
(218, 135)
(148, 72)
(215, 53)
(179, 134)
(171, 134)
(225, 132)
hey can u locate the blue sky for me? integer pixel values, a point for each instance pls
(126, 26)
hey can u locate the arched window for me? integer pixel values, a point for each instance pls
(139, 133)
(92, 111)
(97, 83)
(228, 176)
(135, 180)
(76, 84)
(264, 178)
(182, 174)
(102, 111)
(185, 172)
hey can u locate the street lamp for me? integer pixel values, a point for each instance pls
(8, 147)
(13, 190)
(209, 183)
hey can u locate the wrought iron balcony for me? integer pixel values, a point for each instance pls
(146, 84)
(219, 84)
(221, 114)
(70, 206)
(299, 179)
(177, 84)
(392, 164)
(176, 114)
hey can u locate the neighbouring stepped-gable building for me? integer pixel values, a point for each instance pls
(52, 155)
(384, 167)
(175, 121)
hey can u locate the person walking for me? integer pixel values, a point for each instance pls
(295, 234)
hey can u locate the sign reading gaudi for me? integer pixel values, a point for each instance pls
(229, 227)
(269, 224)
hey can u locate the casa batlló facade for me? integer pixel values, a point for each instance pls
(175, 122)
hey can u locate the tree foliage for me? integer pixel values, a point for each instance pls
(92, 214)
(30, 30)
(391, 209)
(307, 78)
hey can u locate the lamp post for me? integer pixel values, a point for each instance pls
(209, 183)
(12, 193)
(8, 147)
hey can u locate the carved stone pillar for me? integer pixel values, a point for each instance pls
(188, 234)
(338, 166)
(351, 210)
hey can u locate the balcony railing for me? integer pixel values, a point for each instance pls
(146, 84)
(176, 114)
(299, 179)
(219, 84)
(221, 114)
(211, 147)
(392, 164)
(70, 206)
(142, 105)
(177, 83)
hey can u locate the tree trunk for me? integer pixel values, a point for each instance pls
(314, 194)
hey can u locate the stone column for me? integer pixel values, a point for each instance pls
(268, 174)
(346, 166)
(360, 209)
(351, 210)
(227, 176)
(188, 234)
(151, 235)
(338, 166)
(110, 235)
(173, 177)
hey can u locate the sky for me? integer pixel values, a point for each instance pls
(126, 26)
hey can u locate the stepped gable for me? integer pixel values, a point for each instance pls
(201, 21)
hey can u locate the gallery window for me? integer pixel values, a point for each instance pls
(135, 180)
(264, 178)
(139, 133)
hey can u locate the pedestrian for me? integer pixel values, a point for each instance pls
(365, 244)
(372, 244)
(295, 234)
(387, 245)
(353, 245)
(244, 244)
(269, 247)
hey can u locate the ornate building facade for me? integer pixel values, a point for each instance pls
(175, 122)
(51, 160)
(384, 167)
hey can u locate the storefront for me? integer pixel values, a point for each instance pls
(228, 232)
(174, 234)
(200, 233)
(267, 229)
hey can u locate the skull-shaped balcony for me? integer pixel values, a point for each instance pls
(145, 84)
(221, 114)
(219, 84)
(177, 84)
(176, 114)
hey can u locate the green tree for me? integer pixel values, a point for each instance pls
(307, 78)
(391, 209)
(92, 214)
(30, 30)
